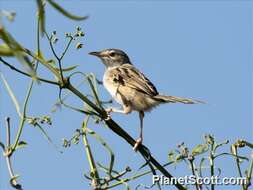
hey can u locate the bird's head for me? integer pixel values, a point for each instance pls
(112, 57)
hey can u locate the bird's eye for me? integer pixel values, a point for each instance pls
(112, 54)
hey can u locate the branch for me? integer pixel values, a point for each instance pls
(26, 74)
(118, 130)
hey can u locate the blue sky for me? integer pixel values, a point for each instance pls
(192, 49)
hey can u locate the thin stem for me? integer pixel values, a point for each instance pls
(43, 62)
(94, 172)
(250, 145)
(87, 112)
(249, 173)
(119, 175)
(51, 46)
(23, 118)
(191, 160)
(200, 166)
(234, 150)
(13, 180)
(94, 91)
(238, 164)
(55, 54)
(8, 134)
(59, 59)
(26, 74)
(211, 160)
(86, 100)
(38, 34)
(113, 177)
(127, 179)
(20, 128)
(138, 175)
(67, 47)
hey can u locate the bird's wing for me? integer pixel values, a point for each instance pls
(127, 75)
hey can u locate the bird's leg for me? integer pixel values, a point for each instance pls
(126, 109)
(140, 139)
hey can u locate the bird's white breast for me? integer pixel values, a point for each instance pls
(111, 87)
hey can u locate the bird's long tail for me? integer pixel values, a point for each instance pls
(174, 99)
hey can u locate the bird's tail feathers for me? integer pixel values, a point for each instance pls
(174, 99)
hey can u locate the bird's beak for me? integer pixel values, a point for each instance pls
(95, 53)
(99, 54)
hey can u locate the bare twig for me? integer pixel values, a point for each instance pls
(66, 49)
(8, 154)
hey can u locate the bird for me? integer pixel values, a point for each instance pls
(131, 88)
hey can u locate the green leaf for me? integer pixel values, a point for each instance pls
(179, 157)
(250, 145)
(199, 149)
(201, 165)
(67, 69)
(21, 144)
(5, 50)
(91, 78)
(79, 45)
(13, 97)
(171, 156)
(17, 50)
(44, 62)
(46, 136)
(64, 12)
(66, 143)
(103, 143)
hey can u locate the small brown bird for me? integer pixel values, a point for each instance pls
(130, 88)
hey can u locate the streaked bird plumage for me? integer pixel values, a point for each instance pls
(130, 88)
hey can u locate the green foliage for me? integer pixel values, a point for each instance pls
(200, 149)
(21, 144)
(204, 156)
(15, 49)
(13, 97)
(5, 50)
(66, 13)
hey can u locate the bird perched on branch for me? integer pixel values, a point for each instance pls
(130, 88)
